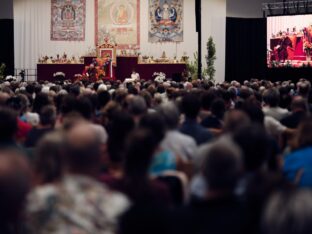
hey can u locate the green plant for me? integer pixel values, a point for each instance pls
(2, 69)
(211, 57)
(192, 66)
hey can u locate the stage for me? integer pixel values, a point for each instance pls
(124, 67)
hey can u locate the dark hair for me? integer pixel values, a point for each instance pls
(49, 157)
(218, 108)
(271, 97)
(48, 115)
(190, 105)
(155, 123)
(254, 142)
(103, 98)
(84, 107)
(207, 98)
(40, 101)
(119, 129)
(8, 124)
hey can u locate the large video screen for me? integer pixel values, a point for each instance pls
(289, 41)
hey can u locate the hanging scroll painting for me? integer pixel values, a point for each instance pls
(165, 21)
(118, 20)
(68, 18)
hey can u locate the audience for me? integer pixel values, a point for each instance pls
(155, 157)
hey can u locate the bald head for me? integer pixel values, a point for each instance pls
(82, 148)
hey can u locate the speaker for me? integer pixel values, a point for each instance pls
(7, 45)
(198, 14)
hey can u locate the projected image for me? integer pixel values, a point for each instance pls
(289, 41)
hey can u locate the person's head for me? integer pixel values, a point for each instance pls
(234, 120)
(299, 104)
(190, 105)
(82, 150)
(137, 106)
(15, 183)
(141, 146)
(155, 123)
(48, 116)
(253, 141)
(103, 98)
(41, 100)
(15, 103)
(49, 154)
(170, 113)
(304, 133)
(84, 107)
(288, 213)
(119, 129)
(8, 124)
(222, 166)
(303, 88)
(253, 109)
(207, 98)
(218, 108)
(271, 97)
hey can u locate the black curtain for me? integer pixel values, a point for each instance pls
(7, 45)
(245, 49)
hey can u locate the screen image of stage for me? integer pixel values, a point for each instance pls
(289, 41)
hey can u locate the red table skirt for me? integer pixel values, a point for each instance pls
(125, 66)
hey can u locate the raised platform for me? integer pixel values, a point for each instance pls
(125, 66)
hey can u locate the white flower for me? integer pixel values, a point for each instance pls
(59, 74)
(160, 77)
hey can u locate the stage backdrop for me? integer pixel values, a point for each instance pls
(119, 20)
(165, 21)
(68, 20)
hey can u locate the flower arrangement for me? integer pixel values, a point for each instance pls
(10, 78)
(59, 75)
(159, 77)
(97, 69)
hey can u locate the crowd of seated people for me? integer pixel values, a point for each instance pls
(155, 157)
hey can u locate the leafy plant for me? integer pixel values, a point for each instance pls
(192, 66)
(2, 69)
(210, 59)
(209, 71)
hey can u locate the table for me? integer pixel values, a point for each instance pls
(46, 71)
(125, 66)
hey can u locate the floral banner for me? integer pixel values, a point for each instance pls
(118, 20)
(68, 20)
(165, 21)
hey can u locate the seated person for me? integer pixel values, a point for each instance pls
(134, 77)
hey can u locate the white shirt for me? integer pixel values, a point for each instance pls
(180, 144)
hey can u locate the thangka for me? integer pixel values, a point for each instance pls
(118, 20)
(68, 20)
(165, 21)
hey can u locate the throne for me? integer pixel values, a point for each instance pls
(108, 50)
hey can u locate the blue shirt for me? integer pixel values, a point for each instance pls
(299, 160)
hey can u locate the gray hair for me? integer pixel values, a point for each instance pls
(288, 213)
(170, 113)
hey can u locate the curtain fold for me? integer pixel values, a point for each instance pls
(32, 24)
